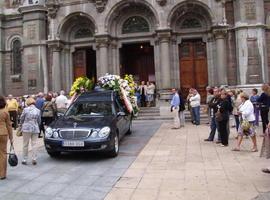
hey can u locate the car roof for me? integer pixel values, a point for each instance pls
(106, 95)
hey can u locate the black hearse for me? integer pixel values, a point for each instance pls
(96, 121)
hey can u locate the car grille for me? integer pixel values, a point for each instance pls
(74, 134)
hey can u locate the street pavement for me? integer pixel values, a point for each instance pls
(74, 176)
(155, 162)
(179, 165)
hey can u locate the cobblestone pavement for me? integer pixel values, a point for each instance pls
(179, 165)
(74, 176)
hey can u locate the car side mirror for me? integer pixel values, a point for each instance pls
(121, 114)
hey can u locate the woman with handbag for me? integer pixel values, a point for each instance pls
(30, 120)
(246, 111)
(222, 116)
(5, 134)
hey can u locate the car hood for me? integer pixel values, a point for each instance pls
(82, 122)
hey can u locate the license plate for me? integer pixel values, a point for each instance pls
(69, 143)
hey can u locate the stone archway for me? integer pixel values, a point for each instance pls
(74, 51)
(126, 8)
(133, 24)
(191, 23)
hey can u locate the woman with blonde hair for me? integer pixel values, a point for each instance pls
(30, 120)
(264, 103)
(5, 134)
(246, 110)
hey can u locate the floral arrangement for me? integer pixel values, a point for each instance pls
(125, 87)
(86, 83)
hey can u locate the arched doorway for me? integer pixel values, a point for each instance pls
(191, 23)
(138, 59)
(77, 32)
(133, 23)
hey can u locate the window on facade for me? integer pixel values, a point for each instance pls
(191, 23)
(83, 32)
(16, 57)
(135, 24)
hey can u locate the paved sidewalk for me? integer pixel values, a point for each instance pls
(18, 143)
(178, 164)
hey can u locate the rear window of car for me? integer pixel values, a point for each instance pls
(83, 108)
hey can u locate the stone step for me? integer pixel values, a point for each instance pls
(149, 111)
(203, 119)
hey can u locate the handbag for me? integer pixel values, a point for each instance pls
(245, 125)
(12, 158)
(265, 150)
(219, 116)
(46, 111)
(19, 131)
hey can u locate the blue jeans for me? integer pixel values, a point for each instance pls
(196, 114)
(214, 128)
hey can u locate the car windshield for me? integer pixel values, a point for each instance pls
(79, 109)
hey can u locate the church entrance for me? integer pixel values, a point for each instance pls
(84, 63)
(138, 60)
(193, 67)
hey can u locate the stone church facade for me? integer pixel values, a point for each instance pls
(45, 45)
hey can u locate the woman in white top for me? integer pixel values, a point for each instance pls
(246, 110)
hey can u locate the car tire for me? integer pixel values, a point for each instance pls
(114, 152)
(129, 129)
(54, 154)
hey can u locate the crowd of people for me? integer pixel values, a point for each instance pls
(145, 94)
(30, 115)
(222, 103)
(33, 113)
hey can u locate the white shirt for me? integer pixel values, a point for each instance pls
(61, 101)
(150, 89)
(247, 110)
(195, 101)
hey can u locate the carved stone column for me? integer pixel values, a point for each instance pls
(115, 58)
(220, 33)
(164, 43)
(56, 48)
(102, 42)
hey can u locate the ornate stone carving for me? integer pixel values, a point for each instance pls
(102, 41)
(52, 6)
(162, 2)
(250, 9)
(220, 31)
(100, 5)
(164, 35)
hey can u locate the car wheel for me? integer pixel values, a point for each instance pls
(114, 152)
(129, 129)
(54, 154)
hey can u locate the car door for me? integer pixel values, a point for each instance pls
(120, 120)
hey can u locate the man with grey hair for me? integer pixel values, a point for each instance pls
(61, 102)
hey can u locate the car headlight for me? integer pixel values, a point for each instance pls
(94, 133)
(48, 132)
(55, 134)
(104, 132)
